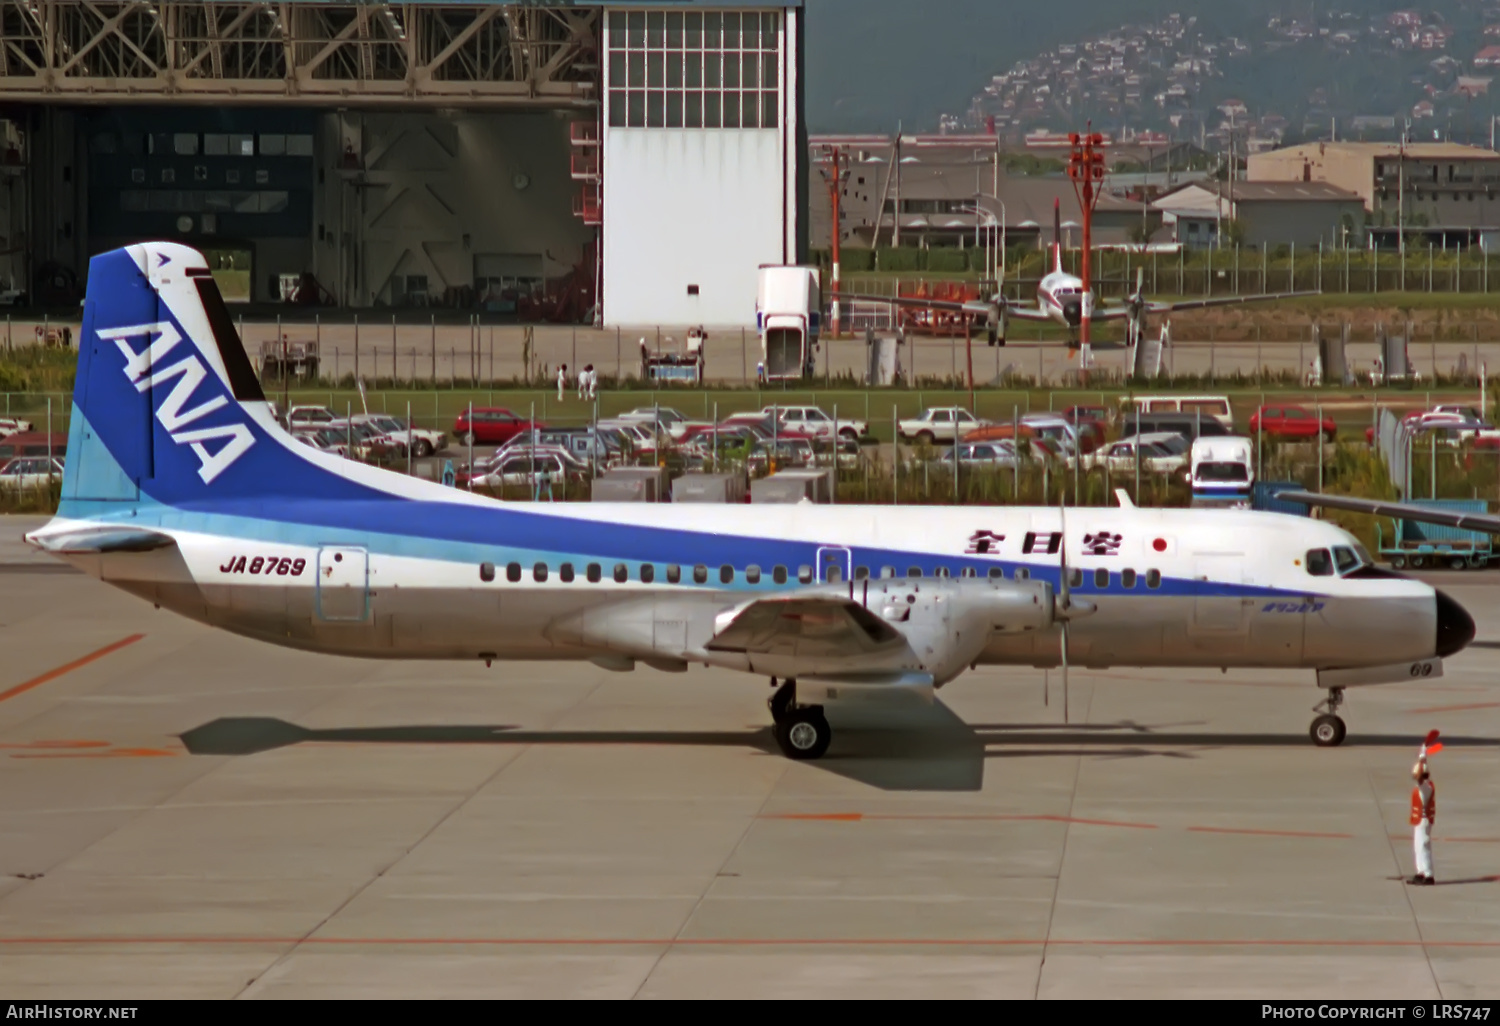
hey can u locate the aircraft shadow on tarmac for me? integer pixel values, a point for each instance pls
(940, 752)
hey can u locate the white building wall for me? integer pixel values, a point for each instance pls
(683, 207)
(689, 208)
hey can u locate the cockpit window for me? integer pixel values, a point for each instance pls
(1345, 559)
(1319, 563)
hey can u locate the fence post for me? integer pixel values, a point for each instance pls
(356, 346)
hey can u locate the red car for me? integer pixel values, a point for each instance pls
(1291, 422)
(491, 426)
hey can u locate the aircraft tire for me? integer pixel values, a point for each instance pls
(1398, 562)
(804, 734)
(1327, 731)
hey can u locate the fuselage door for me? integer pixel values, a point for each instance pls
(834, 564)
(1218, 606)
(343, 583)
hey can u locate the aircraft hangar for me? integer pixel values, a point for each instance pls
(616, 163)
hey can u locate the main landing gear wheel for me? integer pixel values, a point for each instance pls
(1328, 730)
(804, 733)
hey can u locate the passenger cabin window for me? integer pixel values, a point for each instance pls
(486, 571)
(622, 573)
(726, 574)
(513, 572)
(1319, 563)
(997, 573)
(674, 574)
(887, 571)
(700, 574)
(1127, 578)
(1075, 578)
(914, 571)
(969, 571)
(752, 575)
(861, 573)
(804, 575)
(1023, 573)
(595, 573)
(779, 575)
(833, 573)
(565, 573)
(648, 573)
(1153, 578)
(539, 572)
(1344, 559)
(1101, 578)
(941, 571)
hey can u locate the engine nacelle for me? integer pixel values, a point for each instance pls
(996, 326)
(948, 622)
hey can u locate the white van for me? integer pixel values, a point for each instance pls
(1222, 470)
(1215, 406)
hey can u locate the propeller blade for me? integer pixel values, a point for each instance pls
(1065, 669)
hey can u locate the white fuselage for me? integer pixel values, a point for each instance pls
(1169, 587)
(1061, 296)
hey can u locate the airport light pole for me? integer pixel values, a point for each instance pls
(1086, 171)
(835, 179)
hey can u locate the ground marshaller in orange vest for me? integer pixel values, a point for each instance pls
(1423, 811)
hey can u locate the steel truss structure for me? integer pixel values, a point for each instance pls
(321, 54)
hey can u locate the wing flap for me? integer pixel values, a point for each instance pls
(810, 627)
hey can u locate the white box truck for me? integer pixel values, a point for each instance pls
(788, 309)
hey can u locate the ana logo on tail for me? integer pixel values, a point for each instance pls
(143, 369)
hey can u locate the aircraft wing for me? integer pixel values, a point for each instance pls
(822, 626)
(969, 306)
(1487, 522)
(1162, 306)
(979, 306)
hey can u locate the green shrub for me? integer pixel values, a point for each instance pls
(947, 260)
(904, 258)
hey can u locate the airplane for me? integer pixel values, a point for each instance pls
(181, 488)
(1062, 300)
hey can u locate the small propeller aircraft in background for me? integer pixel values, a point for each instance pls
(1061, 299)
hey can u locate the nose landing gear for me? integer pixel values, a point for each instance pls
(1328, 730)
(802, 731)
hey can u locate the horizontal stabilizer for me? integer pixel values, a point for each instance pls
(103, 539)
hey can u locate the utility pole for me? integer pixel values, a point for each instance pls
(835, 179)
(1401, 200)
(896, 170)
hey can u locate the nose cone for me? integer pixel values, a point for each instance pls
(1455, 627)
(1073, 311)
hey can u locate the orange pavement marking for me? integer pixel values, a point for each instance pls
(37, 745)
(1454, 708)
(110, 753)
(1265, 833)
(36, 682)
(852, 942)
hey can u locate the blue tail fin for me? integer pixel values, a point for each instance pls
(167, 406)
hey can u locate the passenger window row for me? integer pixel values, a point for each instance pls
(646, 573)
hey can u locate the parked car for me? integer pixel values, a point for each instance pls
(10, 425)
(491, 426)
(1120, 458)
(30, 472)
(1291, 422)
(324, 439)
(528, 469)
(1190, 426)
(996, 455)
(1087, 415)
(421, 441)
(307, 416)
(939, 424)
(32, 443)
(814, 423)
(1215, 406)
(1061, 436)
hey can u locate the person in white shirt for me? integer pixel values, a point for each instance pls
(562, 381)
